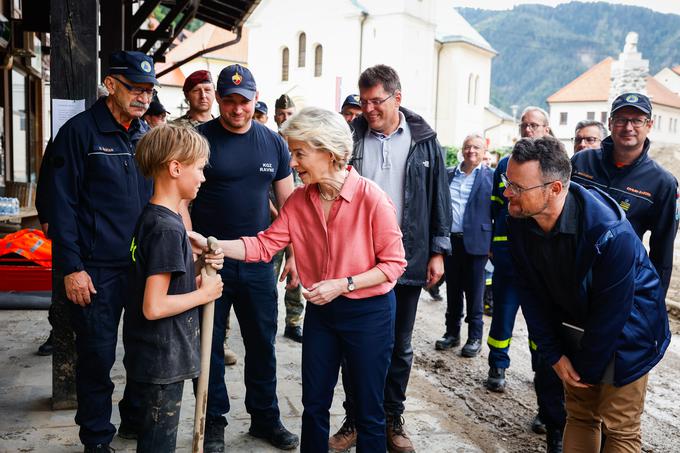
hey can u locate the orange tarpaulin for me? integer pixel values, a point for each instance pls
(31, 244)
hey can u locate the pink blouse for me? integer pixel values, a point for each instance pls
(362, 233)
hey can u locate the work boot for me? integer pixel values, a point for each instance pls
(554, 441)
(214, 434)
(294, 333)
(397, 439)
(230, 356)
(99, 448)
(538, 426)
(471, 348)
(496, 380)
(448, 341)
(344, 439)
(278, 436)
(46, 348)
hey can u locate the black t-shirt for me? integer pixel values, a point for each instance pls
(233, 201)
(166, 350)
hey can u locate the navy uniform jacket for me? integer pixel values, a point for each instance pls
(645, 191)
(96, 190)
(477, 215)
(502, 262)
(620, 304)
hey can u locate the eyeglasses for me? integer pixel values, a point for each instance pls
(635, 122)
(137, 90)
(588, 140)
(532, 126)
(517, 190)
(374, 102)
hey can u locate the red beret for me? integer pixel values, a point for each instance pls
(195, 78)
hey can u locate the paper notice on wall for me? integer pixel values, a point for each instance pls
(63, 110)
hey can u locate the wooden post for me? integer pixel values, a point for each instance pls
(73, 75)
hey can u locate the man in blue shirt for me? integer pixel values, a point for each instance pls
(97, 193)
(470, 188)
(246, 159)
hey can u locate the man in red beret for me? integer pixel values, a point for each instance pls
(199, 92)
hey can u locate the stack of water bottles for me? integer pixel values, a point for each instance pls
(9, 206)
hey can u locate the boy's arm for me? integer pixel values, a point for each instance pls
(159, 304)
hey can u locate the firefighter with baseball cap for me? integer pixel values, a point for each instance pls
(97, 193)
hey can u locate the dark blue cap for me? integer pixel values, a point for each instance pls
(637, 100)
(135, 66)
(155, 108)
(236, 79)
(261, 107)
(353, 100)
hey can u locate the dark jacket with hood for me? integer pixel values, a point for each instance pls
(620, 304)
(426, 222)
(647, 193)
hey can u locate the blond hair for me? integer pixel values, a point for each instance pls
(323, 130)
(166, 143)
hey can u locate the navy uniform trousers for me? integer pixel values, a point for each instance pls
(251, 289)
(359, 332)
(96, 329)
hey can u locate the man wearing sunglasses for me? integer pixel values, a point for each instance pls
(97, 194)
(592, 301)
(622, 167)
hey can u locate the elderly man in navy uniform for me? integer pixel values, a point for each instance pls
(97, 194)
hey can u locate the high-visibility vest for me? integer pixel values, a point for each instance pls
(30, 244)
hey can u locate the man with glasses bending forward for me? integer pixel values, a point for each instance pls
(588, 134)
(397, 149)
(599, 318)
(97, 194)
(646, 191)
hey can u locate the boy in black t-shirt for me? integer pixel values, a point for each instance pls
(161, 328)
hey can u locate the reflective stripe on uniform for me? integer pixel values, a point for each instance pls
(501, 185)
(497, 199)
(488, 281)
(498, 344)
(500, 239)
(533, 346)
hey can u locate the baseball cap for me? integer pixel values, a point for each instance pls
(637, 100)
(137, 67)
(196, 77)
(284, 102)
(155, 108)
(236, 79)
(261, 107)
(353, 100)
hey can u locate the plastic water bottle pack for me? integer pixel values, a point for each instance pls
(9, 206)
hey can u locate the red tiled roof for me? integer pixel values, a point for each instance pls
(592, 85)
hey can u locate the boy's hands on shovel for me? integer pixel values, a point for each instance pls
(211, 285)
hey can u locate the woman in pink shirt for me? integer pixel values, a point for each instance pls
(349, 255)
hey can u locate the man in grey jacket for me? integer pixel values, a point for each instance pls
(398, 150)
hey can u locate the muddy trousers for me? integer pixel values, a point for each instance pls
(506, 303)
(96, 329)
(292, 299)
(615, 411)
(159, 415)
(360, 331)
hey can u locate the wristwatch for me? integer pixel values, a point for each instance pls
(350, 284)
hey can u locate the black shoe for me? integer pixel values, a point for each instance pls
(446, 342)
(214, 434)
(278, 436)
(496, 380)
(127, 431)
(554, 440)
(471, 348)
(46, 348)
(99, 448)
(294, 333)
(538, 426)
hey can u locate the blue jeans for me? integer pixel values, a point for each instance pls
(251, 288)
(360, 331)
(96, 329)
